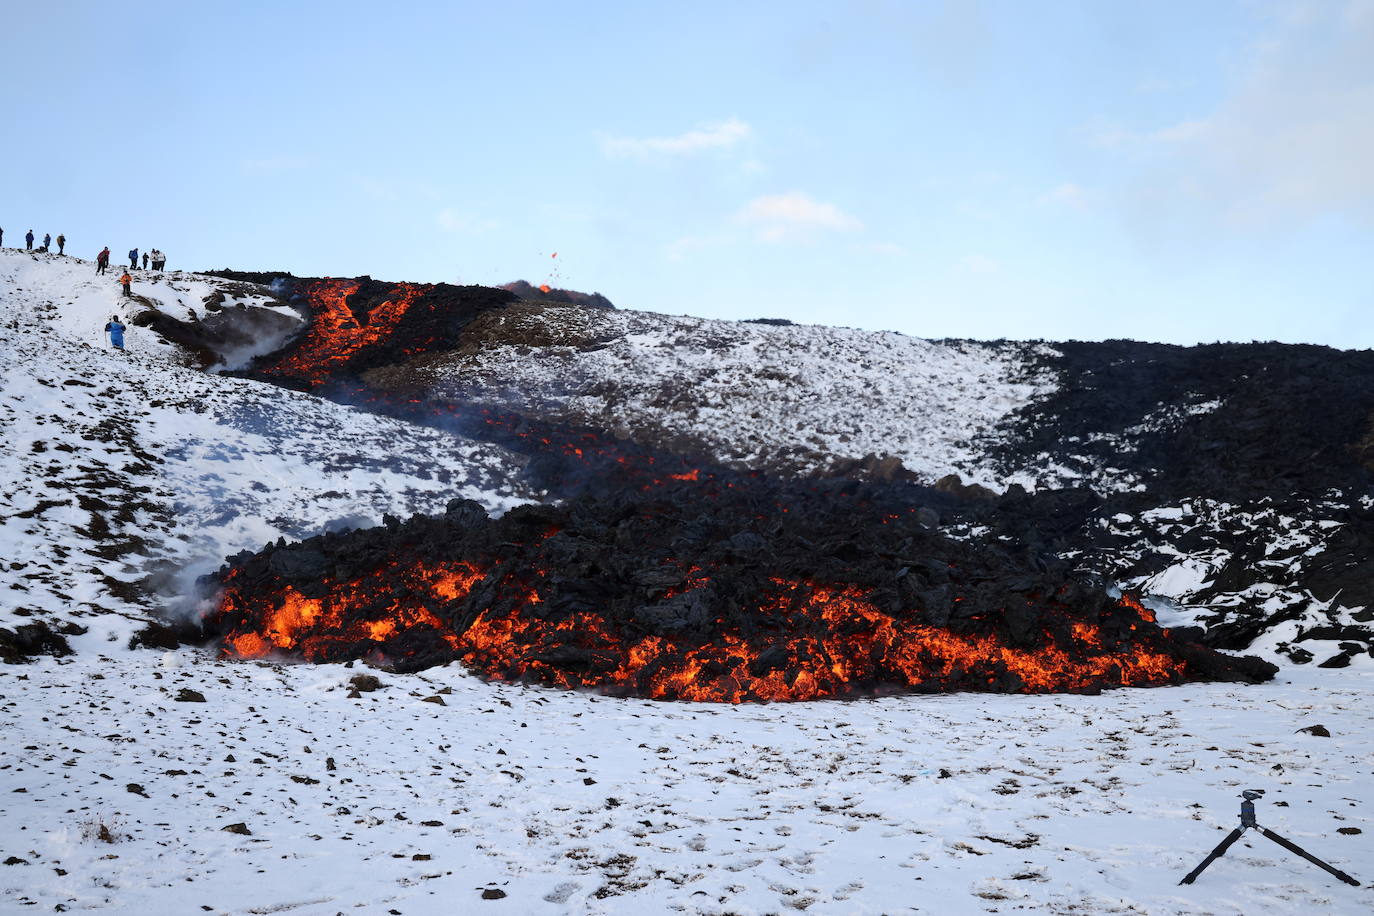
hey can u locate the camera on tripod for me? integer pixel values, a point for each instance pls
(1247, 821)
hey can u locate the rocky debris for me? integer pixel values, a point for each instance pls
(365, 683)
(767, 567)
(170, 636)
(240, 828)
(31, 639)
(490, 893)
(531, 293)
(955, 486)
(187, 695)
(1318, 731)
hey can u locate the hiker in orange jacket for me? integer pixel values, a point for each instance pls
(124, 281)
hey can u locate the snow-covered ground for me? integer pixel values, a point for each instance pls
(570, 803)
(122, 465)
(798, 397)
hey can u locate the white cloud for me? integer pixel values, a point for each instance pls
(712, 136)
(794, 215)
(1294, 141)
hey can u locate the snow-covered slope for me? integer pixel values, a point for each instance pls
(553, 802)
(795, 398)
(120, 466)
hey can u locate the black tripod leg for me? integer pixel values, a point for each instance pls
(1291, 847)
(1214, 855)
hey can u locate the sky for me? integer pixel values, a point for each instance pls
(1173, 171)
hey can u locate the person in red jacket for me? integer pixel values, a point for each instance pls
(102, 260)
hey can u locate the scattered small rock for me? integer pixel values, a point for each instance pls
(365, 683)
(187, 695)
(1349, 831)
(136, 789)
(15, 860)
(493, 893)
(434, 699)
(1317, 730)
(240, 828)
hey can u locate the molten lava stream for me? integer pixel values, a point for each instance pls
(858, 647)
(376, 609)
(335, 335)
(807, 641)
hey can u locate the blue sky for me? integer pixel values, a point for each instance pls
(1179, 172)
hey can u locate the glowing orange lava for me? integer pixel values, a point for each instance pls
(335, 334)
(809, 641)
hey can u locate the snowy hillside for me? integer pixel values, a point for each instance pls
(123, 466)
(792, 398)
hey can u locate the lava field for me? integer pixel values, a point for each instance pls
(663, 575)
(721, 590)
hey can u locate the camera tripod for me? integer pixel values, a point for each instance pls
(1247, 820)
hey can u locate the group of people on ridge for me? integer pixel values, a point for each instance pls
(114, 327)
(47, 241)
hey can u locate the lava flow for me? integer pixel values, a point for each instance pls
(361, 323)
(651, 596)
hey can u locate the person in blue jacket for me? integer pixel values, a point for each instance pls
(115, 329)
(28, 239)
(133, 258)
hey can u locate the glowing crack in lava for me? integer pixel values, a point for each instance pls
(335, 334)
(806, 640)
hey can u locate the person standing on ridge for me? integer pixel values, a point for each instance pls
(133, 258)
(28, 241)
(115, 329)
(102, 260)
(61, 243)
(47, 240)
(124, 281)
(145, 260)
(2, 237)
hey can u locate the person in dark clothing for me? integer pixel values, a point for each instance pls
(61, 243)
(145, 260)
(115, 329)
(102, 260)
(28, 240)
(47, 240)
(2, 236)
(124, 281)
(133, 258)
